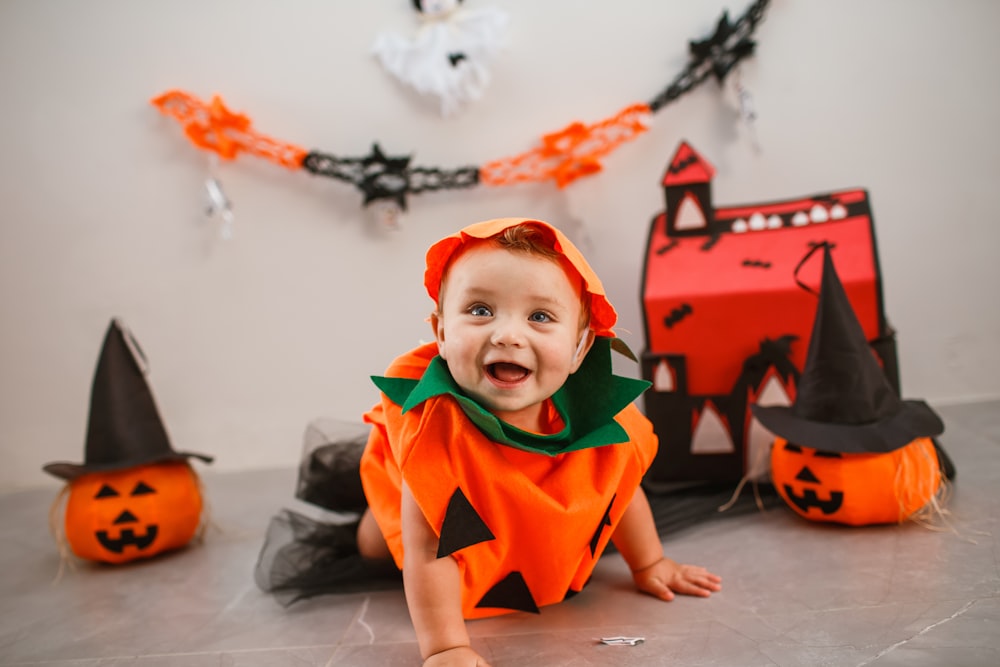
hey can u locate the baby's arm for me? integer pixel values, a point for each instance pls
(433, 593)
(637, 540)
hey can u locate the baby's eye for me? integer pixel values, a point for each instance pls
(539, 316)
(480, 311)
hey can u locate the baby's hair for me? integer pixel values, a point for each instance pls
(531, 240)
(527, 239)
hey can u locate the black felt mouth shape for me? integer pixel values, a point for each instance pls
(127, 538)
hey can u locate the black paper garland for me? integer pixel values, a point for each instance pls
(562, 156)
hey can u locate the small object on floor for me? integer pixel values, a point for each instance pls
(622, 641)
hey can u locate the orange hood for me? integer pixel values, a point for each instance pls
(602, 313)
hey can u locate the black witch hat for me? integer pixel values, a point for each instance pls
(844, 402)
(124, 428)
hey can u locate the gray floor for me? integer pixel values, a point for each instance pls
(795, 592)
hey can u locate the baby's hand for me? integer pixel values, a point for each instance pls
(460, 656)
(665, 577)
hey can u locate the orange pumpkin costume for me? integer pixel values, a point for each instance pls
(525, 516)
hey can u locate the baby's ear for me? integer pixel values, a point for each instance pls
(586, 342)
(437, 326)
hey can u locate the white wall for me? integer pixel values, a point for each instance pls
(101, 196)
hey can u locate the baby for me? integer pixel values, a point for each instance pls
(506, 454)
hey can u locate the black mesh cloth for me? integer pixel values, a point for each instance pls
(677, 508)
(303, 557)
(329, 474)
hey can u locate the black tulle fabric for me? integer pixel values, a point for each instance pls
(302, 558)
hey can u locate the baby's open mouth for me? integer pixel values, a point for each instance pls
(506, 372)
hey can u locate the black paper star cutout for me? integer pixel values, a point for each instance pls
(724, 49)
(384, 177)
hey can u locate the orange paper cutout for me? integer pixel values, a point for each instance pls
(570, 153)
(215, 128)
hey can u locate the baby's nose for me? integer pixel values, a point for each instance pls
(508, 334)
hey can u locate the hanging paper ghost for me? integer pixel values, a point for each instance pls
(849, 450)
(134, 496)
(450, 56)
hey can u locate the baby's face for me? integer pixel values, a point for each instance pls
(509, 328)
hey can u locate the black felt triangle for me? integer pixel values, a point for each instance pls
(605, 521)
(806, 475)
(570, 593)
(511, 592)
(462, 526)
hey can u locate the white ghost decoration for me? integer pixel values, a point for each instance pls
(450, 55)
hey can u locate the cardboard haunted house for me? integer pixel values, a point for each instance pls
(729, 297)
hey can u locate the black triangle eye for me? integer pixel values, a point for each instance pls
(106, 492)
(142, 489)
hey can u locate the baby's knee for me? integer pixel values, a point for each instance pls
(371, 544)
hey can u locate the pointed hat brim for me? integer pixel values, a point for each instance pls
(70, 471)
(915, 419)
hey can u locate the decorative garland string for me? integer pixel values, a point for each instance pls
(563, 156)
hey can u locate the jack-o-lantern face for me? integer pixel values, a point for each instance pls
(855, 489)
(809, 496)
(138, 512)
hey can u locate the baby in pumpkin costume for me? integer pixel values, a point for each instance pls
(506, 454)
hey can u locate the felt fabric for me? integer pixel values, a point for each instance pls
(844, 402)
(116, 516)
(525, 527)
(593, 394)
(124, 427)
(857, 489)
(727, 321)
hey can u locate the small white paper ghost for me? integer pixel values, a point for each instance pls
(450, 55)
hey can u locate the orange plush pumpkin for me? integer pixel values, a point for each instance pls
(849, 449)
(134, 496)
(856, 489)
(121, 515)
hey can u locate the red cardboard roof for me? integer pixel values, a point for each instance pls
(688, 166)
